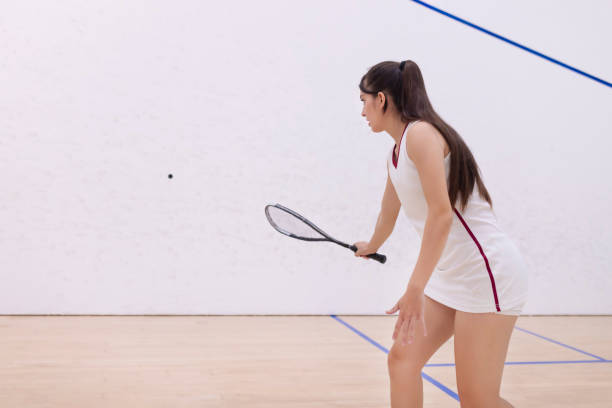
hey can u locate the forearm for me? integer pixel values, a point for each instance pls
(384, 228)
(435, 235)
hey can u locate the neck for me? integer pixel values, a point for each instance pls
(396, 129)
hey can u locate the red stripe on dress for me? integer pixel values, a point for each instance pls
(398, 149)
(484, 256)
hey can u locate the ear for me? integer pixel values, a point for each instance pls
(381, 97)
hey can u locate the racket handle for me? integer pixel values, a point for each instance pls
(376, 256)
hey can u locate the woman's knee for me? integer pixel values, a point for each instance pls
(439, 320)
(405, 360)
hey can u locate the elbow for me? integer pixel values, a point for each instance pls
(448, 219)
(444, 217)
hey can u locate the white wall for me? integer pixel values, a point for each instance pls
(250, 103)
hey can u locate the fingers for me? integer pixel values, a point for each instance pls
(393, 309)
(361, 256)
(412, 331)
(406, 328)
(421, 321)
(361, 248)
(408, 331)
(398, 328)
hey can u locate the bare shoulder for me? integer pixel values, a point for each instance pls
(422, 129)
(423, 135)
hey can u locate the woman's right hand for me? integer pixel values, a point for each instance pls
(363, 249)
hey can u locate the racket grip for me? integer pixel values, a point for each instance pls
(376, 256)
(379, 257)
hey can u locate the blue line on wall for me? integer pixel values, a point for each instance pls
(539, 54)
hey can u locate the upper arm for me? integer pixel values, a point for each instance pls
(428, 157)
(390, 203)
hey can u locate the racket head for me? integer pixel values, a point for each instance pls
(281, 218)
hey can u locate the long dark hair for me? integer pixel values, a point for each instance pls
(407, 90)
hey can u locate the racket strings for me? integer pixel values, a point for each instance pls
(289, 224)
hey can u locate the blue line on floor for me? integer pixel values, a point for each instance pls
(539, 54)
(561, 344)
(425, 376)
(440, 386)
(454, 394)
(528, 362)
(361, 334)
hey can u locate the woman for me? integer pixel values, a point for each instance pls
(480, 281)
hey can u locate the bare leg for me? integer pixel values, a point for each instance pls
(406, 362)
(481, 346)
(406, 387)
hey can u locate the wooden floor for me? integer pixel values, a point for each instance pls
(277, 361)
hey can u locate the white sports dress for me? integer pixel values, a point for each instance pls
(480, 270)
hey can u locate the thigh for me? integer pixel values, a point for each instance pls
(481, 345)
(439, 321)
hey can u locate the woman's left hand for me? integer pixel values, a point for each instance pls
(412, 313)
